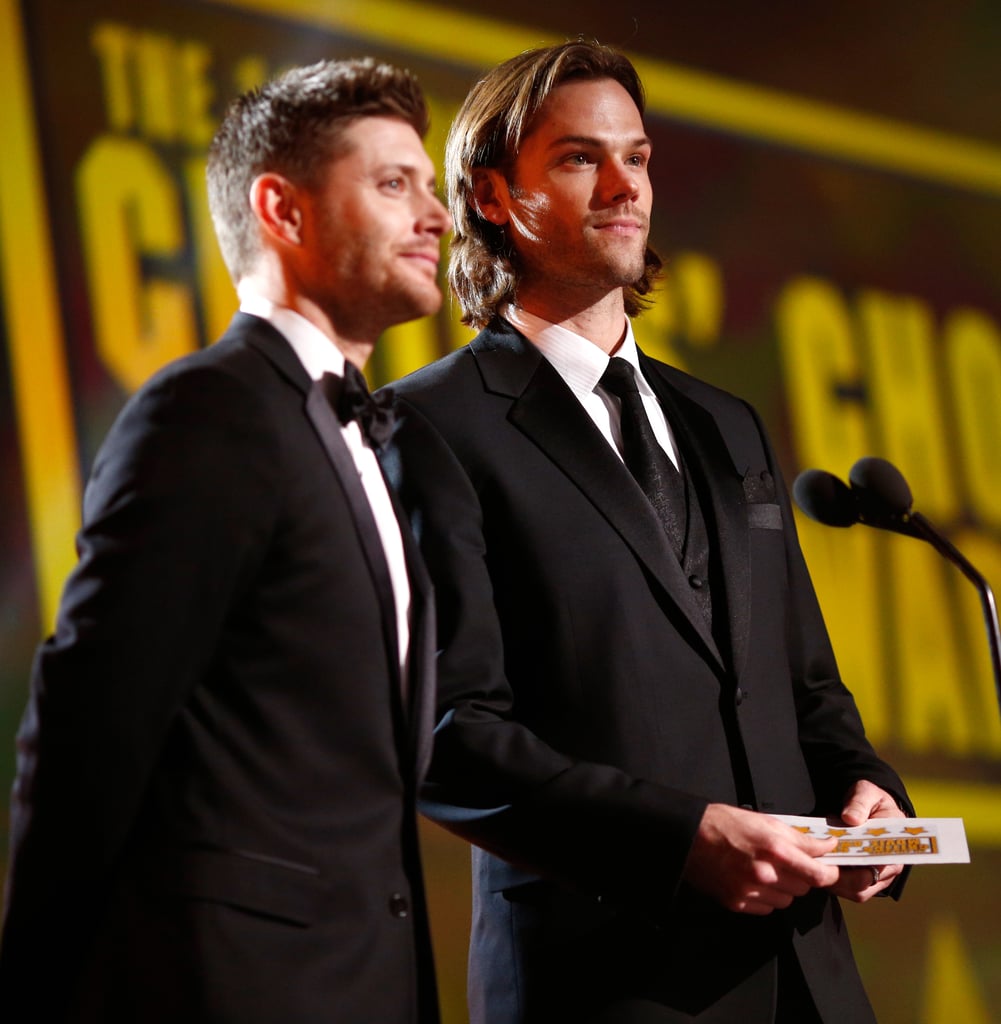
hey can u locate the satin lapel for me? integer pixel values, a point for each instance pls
(268, 340)
(704, 445)
(327, 427)
(423, 639)
(271, 343)
(545, 410)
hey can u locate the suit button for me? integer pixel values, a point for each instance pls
(398, 906)
(696, 582)
(739, 696)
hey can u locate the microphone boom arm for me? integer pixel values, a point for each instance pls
(879, 497)
(920, 527)
(914, 524)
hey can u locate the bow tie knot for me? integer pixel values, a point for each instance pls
(351, 400)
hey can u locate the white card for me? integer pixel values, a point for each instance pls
(889, 840)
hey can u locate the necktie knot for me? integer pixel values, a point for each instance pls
(619, 378)
(351, 400)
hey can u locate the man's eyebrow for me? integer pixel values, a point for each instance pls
(593, 143)
(396, 165)
(408, 170)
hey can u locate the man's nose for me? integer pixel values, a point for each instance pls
(619, 184)
(435, 216)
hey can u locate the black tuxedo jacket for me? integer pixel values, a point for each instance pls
(214, 813)
(588, 711)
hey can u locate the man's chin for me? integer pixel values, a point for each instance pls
(417, 303)
(430, 303)
(625, 267)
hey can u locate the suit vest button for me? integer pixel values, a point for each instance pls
(398, 906)
(695, 581)
(739, 696)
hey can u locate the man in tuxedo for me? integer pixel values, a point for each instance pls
(634, 674)
(214, 812)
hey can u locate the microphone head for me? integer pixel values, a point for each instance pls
(883, 486)
(825, 498)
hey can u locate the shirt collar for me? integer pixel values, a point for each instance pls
(317, 352)
(576, 359)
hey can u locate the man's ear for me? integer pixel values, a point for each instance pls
(277, 205)
(491, 198)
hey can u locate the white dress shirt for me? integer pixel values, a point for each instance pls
(319, 355)
(581, 363)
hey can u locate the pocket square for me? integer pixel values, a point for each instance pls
(764, 516)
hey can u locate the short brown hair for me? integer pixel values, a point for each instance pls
(487, 132)
(292, 126)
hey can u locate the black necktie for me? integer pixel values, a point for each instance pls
(350, 397)
(646, 460)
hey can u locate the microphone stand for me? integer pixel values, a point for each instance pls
(925, 531)
(879, 496)
(914, 524)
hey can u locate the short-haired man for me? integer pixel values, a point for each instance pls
(214, 813)
(634, 668)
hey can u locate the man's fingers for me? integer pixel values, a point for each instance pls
(810, 866)
(757, 907)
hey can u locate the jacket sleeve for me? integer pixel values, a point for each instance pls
(831, 731)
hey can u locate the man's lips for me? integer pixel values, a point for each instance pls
(620, 225)
(429, 256)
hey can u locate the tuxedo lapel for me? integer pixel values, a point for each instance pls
(327, 426)
(269, 341)
(545, 410)
(708, 455)
(423, 639)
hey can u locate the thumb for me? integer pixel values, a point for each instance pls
(857, 809)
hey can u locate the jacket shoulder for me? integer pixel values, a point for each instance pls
(448, 371)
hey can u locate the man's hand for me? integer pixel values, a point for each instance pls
(864, 802)
(753, 864)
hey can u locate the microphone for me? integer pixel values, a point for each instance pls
(880, 496)
(881, 488)
(824, 497)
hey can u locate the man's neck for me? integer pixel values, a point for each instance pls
(601, 322)
(355, 349)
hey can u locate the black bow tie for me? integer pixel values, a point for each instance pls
(351, 400)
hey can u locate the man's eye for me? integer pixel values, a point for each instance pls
(577, 159)
(393, 184)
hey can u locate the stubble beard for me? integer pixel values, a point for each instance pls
(585, 265)
(615, 266)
